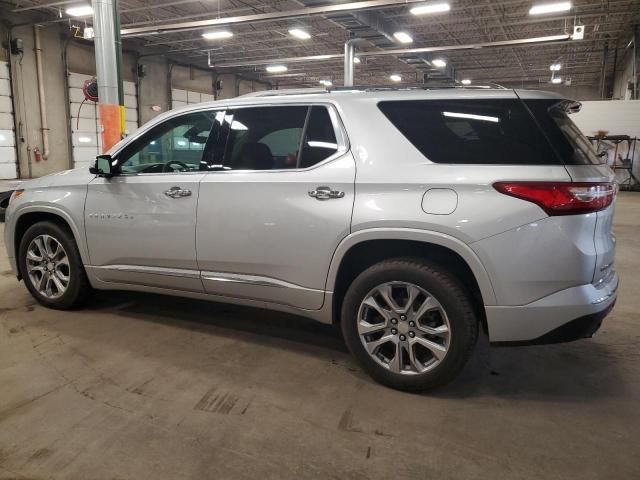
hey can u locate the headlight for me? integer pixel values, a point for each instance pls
(15, 195)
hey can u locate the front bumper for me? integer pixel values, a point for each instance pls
(563, 316)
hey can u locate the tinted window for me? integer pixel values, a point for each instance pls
(492, 131)
(320, 138)
(264, 138)
(565, 137)
(176, 145)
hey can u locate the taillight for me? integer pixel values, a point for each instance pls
(562, 198)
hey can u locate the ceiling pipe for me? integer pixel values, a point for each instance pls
(396, 51)
(47, 5)
(263, 17)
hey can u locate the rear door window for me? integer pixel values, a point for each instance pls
(264, 138)
(278, 137)
(491, 131)
(320, 138)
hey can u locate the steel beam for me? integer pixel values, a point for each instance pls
(264, 17)
(395, 51)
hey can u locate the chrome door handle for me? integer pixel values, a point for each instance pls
(177, 192)
(325, 193)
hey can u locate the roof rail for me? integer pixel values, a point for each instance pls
(418, 86)
(289, 91)
(369, 88)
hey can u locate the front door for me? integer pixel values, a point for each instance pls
(270, 219)
(141, 223)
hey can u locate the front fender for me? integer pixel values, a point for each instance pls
(75, 221)
(424, 236)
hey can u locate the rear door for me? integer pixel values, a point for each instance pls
(270, 218)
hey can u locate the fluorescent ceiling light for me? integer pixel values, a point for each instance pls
(356, 60)
(217, 34)
(326, 83)
(236, 125)
(299, 33)
(277, 68)
(431, 8)
(395, 77)
(318, 144)
(80, 11)
(556, 80)
(555, 67)
(84, 139)
(550, 8)
(403, 37)
(466, 81)
(439, 63)
(470, 116)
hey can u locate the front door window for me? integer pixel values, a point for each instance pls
(176, 145)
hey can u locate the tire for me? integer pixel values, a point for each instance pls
(76, 286)
(450, 320)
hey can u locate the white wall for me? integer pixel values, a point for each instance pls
(617, 117)
(7, 136)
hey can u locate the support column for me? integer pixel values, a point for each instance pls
(108, 69)
(349, 55)
(603, 73)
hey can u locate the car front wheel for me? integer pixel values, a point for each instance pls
(51, 266)
(409, 323)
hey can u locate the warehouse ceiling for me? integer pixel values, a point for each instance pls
(608, 27)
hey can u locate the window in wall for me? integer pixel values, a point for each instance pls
(176, 145)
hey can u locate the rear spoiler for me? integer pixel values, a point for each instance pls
(571, 106)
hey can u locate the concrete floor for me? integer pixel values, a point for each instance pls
(140, 386)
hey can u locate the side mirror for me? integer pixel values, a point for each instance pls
(103, 167)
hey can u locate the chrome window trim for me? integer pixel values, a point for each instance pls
(338, 127)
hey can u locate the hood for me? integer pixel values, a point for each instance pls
(77, 176)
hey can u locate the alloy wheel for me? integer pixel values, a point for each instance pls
(48, 266)
(404, 328)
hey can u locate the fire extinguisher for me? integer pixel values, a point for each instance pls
(36, 154)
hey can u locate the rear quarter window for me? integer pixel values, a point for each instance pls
(565, 137)
(491, 131)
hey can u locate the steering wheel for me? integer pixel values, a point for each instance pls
(168, 167)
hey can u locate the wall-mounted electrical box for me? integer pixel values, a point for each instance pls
(578, 32)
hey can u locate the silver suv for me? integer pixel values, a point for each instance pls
(412, 218)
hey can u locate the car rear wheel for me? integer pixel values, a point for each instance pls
(51, 266)
(410, 324)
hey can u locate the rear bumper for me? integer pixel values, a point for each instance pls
(561, 317)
